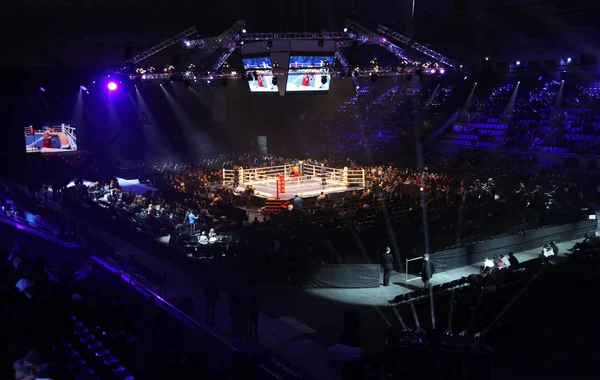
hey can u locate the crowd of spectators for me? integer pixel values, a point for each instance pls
(368, 123)
(549, 117)
(461, 199)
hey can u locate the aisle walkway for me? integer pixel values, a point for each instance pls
(300, 324)
(284, 336)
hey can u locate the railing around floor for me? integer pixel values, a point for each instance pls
(344, 176)
(270, 358)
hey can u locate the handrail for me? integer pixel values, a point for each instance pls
(168, 307)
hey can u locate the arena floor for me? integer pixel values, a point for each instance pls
(304, 188)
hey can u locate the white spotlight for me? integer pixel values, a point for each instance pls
(345, 30)
(243, 30)
(465, 78)
(518, 63)
(519, 82)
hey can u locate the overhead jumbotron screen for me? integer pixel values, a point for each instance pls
(309, 73)
(60, 138)
(259, 74)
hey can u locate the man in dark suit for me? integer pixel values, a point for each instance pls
(427, 271)
(554, 248)
(388, 265)
(211, 294)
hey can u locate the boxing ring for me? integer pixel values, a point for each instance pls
(309, 184)
(65, 141)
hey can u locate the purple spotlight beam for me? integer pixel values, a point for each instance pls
(42, 89)
(112, 86)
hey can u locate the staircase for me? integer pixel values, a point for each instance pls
(273, 205)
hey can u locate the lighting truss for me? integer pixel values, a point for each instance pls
(295, 36)
(423, 49)
(155, 49)
(342, 59)
(333, 71)
(365, 35)
(231, 34)
(229, 48)
(202, 43)
(341, 44)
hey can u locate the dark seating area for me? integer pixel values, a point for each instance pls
(70, 318)
(498, 309)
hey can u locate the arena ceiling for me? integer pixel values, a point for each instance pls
(482, 23)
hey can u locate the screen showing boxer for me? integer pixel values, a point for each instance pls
(309, 73)
(259, 74)
(50, 139)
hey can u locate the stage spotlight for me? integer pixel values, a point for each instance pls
(112, 86)
(432, 71)
(569, 60)
(208, 81)
(243, 30)
(345, 30)
(82, 88)
(465, 78)
(323, 79)
(518, 63)
(187, 43)
(42, 89)
(442, 71)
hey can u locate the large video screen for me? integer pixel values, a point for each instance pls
(259, 74)
(50, 139)
(309, 73)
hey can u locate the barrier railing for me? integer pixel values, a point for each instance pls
(406, 279)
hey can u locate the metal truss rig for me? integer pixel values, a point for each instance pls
(341, 72)
(367, 36)
(225, 40)
(423, 49)
(248, 37)
(155, 49)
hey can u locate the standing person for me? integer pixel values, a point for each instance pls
(323, 175)
(253, 318)
(211, 294)
(427, 271)
(388, 265)
(192, 220)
